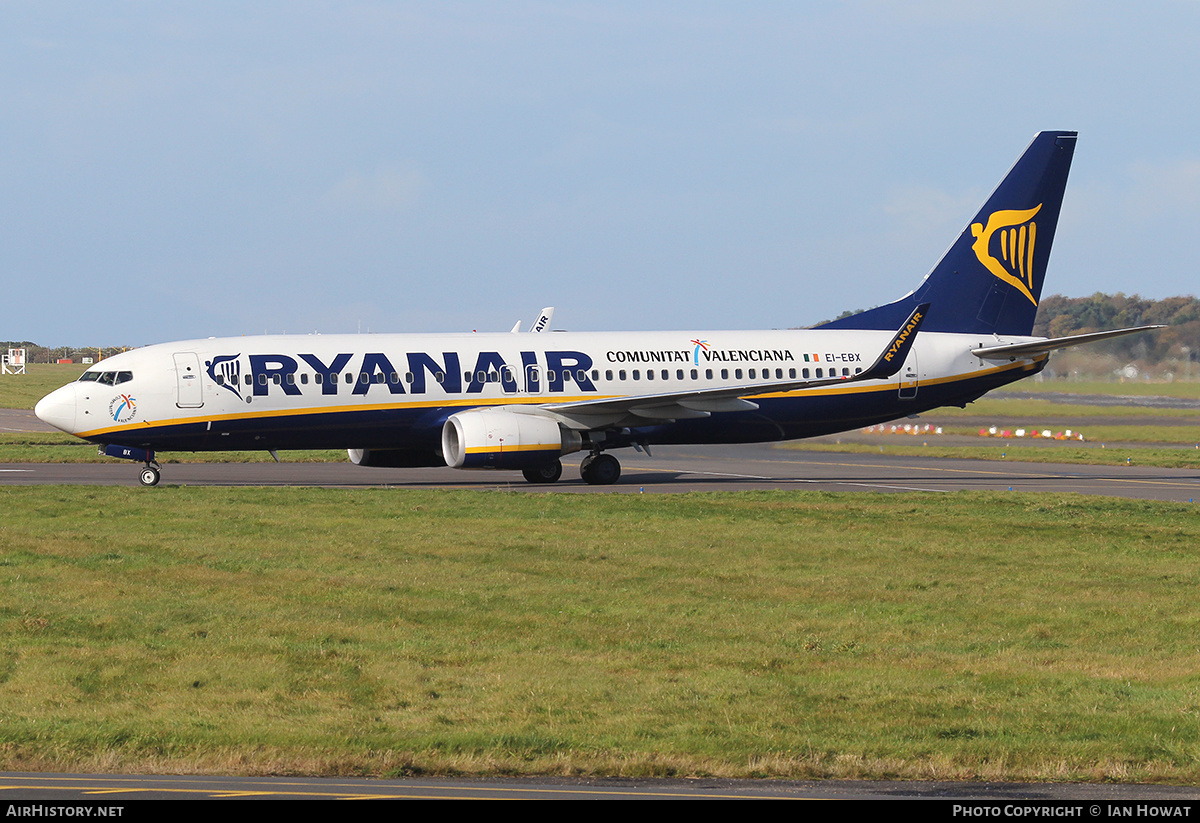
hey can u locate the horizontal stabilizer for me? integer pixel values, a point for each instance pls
(1043, 346)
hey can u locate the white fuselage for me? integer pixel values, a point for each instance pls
(396, 391)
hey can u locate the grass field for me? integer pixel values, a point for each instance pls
(56, 447)
(1185, 389)
(792, 634)
(22, 391)
(998, 404)
(1168, 457)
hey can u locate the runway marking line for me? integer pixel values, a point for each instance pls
(1028, 474)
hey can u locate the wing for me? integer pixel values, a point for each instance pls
(589, 414)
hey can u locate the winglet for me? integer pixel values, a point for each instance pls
(543, 320)
(896, 353)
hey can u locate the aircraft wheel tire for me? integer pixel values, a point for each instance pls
(600, 470)
(149, 476)
(548, 473)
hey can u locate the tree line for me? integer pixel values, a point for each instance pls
(1057, 316)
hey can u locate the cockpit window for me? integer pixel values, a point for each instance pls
(106, 378)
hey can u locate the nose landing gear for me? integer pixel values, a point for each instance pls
(152, 472)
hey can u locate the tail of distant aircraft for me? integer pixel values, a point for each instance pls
(990, 281)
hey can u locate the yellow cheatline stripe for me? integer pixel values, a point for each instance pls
(464, 402)
(535, 447)
(524, 401)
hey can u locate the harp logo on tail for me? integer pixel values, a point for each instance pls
(1005, 247)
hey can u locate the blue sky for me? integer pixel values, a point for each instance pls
(187, 169)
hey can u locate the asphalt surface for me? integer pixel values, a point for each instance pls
(671, 470)
(1100, 800)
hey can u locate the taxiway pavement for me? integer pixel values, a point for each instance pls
(672, 470)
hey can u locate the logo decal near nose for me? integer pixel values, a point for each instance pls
(1011, 234)
(122, 408)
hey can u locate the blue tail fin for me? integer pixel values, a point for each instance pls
(990, 281)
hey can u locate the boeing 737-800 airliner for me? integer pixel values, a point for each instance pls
(522, 401)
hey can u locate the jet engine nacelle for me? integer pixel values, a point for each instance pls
(394, 458)
(496, 439)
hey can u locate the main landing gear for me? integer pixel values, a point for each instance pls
(548, 473)
(599, 469)
(596, 469)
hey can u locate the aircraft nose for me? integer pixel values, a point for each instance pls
(58, 409)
